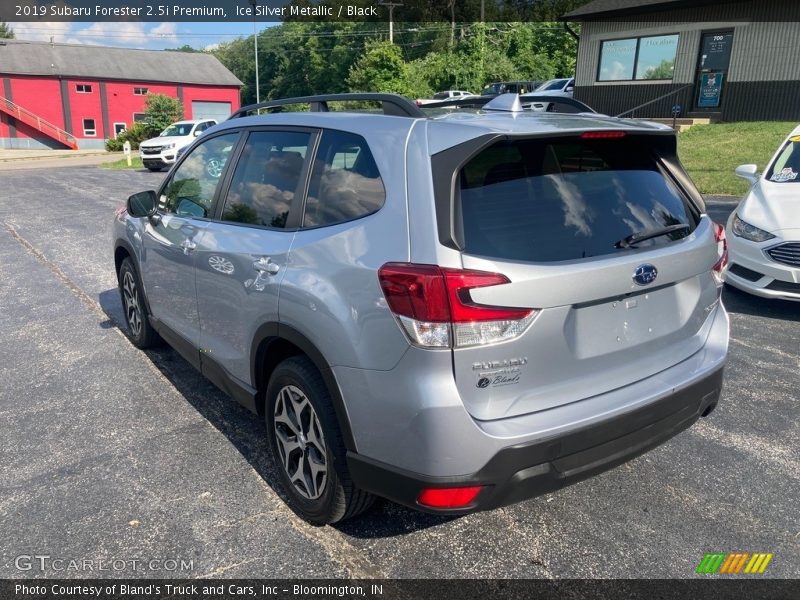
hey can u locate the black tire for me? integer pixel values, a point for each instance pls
(140, 332)
(337, 497)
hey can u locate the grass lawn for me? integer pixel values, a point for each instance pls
(136, 163)
(710, 153)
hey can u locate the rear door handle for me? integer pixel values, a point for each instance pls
(188, 245)
(265, 265)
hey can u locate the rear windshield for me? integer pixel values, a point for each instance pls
(544, 201)
(786, 167)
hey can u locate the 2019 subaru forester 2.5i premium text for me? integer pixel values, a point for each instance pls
(455, 312)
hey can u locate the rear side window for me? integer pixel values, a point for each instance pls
(345, 183)
(554, 200)
(266, 178)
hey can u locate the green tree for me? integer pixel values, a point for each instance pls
(184, 48)
(5, 31)
(161, 111)
(381, 69)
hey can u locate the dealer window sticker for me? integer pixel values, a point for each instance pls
(785, 174)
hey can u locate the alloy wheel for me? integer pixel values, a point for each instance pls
(133, 310)
(300, 442)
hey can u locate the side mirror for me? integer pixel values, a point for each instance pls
(197, 132)
(569, 89)
(748, 172)
(143, 204)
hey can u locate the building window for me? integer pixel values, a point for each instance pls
(140, 91)
(89, 128)
(83, 88)
(119, 128)
(645, 58)
(139, 117)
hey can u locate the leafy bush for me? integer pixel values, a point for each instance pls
(139, 132)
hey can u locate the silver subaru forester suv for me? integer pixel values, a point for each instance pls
(455, 310)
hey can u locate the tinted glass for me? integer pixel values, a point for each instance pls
(266, 178)
(786, 167)
(190, 191)
(656, 58)
(179, 129)
(345, 183)
(550, 201)
(616, 60)
(554, 85)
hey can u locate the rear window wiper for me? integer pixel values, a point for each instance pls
(635, 238)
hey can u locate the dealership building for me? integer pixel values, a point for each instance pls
(725, 60)
(77, 96)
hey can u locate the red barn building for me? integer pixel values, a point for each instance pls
(74, 96)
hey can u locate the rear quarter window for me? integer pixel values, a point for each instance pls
(566, 199)
(345, 182)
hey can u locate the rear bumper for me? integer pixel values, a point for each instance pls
(526, 470)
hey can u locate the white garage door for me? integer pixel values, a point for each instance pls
(219, 111)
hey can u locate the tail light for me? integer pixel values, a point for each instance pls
(722, 246)
(458, 497)
(435, 309)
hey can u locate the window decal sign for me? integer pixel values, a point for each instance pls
(710, 90)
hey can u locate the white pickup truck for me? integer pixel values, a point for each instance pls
(162, 151)
(448, 95)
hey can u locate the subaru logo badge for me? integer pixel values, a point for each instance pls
(645, 274)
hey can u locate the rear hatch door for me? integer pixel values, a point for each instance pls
(567, 220)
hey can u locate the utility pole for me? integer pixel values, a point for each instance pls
(255, 40)
(391, 6)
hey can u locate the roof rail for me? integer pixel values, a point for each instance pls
(393, 104)
(525, 99)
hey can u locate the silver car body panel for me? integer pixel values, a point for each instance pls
(589, 355)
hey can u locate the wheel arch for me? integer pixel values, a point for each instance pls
(274, 343)
(123, 250)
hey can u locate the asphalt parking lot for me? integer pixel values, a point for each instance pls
(111, 453)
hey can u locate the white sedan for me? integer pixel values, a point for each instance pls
(764, 231)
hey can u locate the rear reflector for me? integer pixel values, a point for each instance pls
(434, 306)
(602, 135)
(449, 497)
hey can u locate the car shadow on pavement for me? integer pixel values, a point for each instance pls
(737, 301)
(246, 432)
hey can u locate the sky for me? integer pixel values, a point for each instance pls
(136, 34)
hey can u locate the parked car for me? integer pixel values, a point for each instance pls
(162, 151)
(509, 87)
(455, 313)
(764, 230)
(446, 95)
(554, 87)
